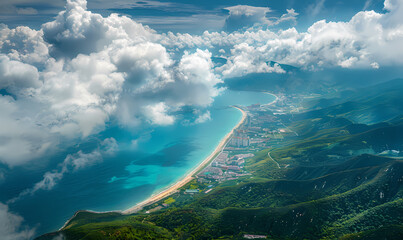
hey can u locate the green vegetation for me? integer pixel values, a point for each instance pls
(329, 182)
(169, 200)
(117, 229)
(389, 233)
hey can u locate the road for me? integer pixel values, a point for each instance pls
(278, 165)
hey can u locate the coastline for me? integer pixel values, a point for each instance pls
(169, 190)
(188, 177)
(274, 101)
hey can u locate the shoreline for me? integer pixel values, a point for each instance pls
(274, 101)
(188, 177)
(169, 190)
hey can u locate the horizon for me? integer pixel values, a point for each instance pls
(83, 82)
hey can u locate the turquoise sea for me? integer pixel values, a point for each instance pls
(147, 161)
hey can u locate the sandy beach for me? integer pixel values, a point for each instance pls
(173, 188)
(272, 102)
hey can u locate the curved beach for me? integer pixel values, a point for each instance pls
(173, 188)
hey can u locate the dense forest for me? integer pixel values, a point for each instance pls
(339, 178)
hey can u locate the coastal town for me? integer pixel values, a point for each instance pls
(260, 128)
(201, 120)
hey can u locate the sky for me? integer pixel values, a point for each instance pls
(183, 15)
(71, 69)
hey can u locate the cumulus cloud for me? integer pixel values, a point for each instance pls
(23, 44)
(77, 30)
(21, 138)
(158, 114)
(375, 65)
(203, 117)
(72, 76)
(244, 60)
(368, 38)
(196, 71)
(15, 75)
(143, 63)
(11, 225)
(391, 5)
(83, 95)
(189, 82)
(67, 80)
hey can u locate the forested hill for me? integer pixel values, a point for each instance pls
(336, 172)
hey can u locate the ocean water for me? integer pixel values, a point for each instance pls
(147, 161)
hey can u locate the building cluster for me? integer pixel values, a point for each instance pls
(239, 139)
(261, 129)
(251, 236)
(264, 126)
(224, 168)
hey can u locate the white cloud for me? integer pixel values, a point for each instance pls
(368, 37)
(246, 59)
(15, 75)
(348, 62)
(140, 71)
(391, 5)
(158, 114)
(82, 69)
(47, 183)
(167, 87)
(203, 118)
(245, 10)
(196, 71)
(82, 94)
(375, 65)
(23, 44)
(21, 137)
(72, 163)
(81, 160)
(102, 68)
(68, 79)
(109, 146)
(27, 11)
(244, 16)
(11, 225)
(77, 30)
(144, 63)
(291, 15)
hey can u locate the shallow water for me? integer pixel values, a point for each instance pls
(146, 162)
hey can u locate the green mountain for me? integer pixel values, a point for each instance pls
(336, 173)
(377, 103)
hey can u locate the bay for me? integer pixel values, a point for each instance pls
(147, 161)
